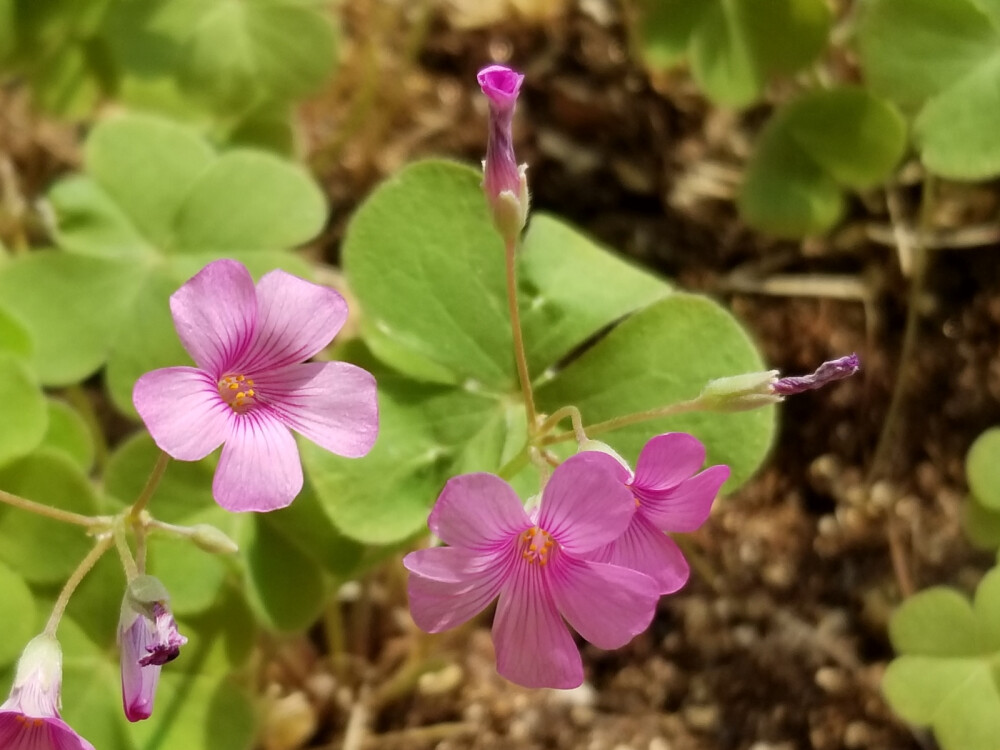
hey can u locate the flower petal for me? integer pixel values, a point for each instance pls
(667, 460)
(585, 504)
(606, 604)
(450, 585)
(38, 733)
(183, 411)
(334, 404)
(687, 506)
(645, 548)
(215, 314)
(259, 468)
(534, 647)
(296, 319)
(138, 682)
(477, 511)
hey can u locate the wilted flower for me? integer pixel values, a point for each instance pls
(537, 566)
(828, 372)
(29, 718)
(250, 386)
(668, 496)
(147, 639)
(504, 182)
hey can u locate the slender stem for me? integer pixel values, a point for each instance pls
(560, 414)
(517, 463)
(102, 546)
(617, 423)
(128, 562)
(510, 252)
(151, 484)
(917, 282)
(66, 516)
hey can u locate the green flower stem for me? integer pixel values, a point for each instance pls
(518, 462)
(151, 484)
(85, 566)
(124, 553)
(695, 404)
(510, 254)
(57, 514)
(560, 414)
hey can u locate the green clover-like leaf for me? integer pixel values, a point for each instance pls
(734, 46)
(945, 673)
(940, 59)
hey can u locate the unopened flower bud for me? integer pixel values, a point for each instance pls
(148, 638)
(504, 182)
(211, 539)
(741, 392)
(828, 372)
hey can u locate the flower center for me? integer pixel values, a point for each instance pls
(238, 392)
(537, 545)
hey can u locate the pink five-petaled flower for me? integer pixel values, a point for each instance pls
(504, 182)
(669, 496)
(537, 566)
(147, 639)
(252, 383)
(29, 718)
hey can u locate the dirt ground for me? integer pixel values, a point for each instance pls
(779, 640)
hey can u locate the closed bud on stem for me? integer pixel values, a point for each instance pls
(211, 539)
(504, 182)
(741, 392)
(148, 639)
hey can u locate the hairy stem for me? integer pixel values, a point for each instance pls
(57, 514)
(560, 414)
(151, 484)
(510, 253)
(124, 553)
(85, 566)
(617, 423)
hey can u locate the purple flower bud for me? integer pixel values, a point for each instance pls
(504, 182)
(828, 372)
(148, 639)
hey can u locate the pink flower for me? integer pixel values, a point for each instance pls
(250, 386)
(147, 639)
(537, 566)
(668, 496)
(29, 718)
(504, 182)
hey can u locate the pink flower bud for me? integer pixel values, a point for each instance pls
(504, 181)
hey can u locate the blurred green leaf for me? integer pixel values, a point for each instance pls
(982, 468)
(981, 525)
(944, 675)
(69, 434)
(273, 561)
(240, 53)
(17, 613)
(41, 549)
(24, 416)
(664, 354)
(734, 46)
(14, 337)
(810, 150)
(941, 60)
(74, 335)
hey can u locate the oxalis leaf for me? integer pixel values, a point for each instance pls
(941, 60)
(427, 267)
(156, 205)
(811, 150)
(944, 675)
(982, 467)
(734, 46)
